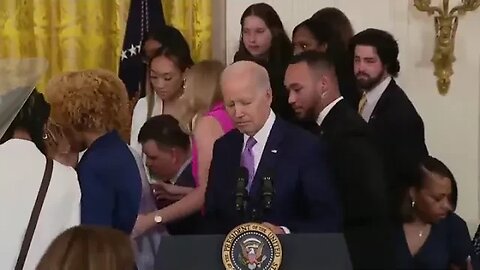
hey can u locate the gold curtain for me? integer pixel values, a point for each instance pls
(70, 34)
(79, 34)
(194, 19)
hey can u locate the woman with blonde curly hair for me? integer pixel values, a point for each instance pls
(92, 108)
(89, 248)
(207, 120)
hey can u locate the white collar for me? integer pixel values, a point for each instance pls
(180, 171)
(262, 135)
(326, 110)
(374, 95)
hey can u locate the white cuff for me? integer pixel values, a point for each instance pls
(285, 230)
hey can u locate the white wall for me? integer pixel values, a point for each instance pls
(452, 122)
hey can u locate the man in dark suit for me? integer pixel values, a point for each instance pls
(397, 128)
(167, 152)
(304, 199)
(314, 95)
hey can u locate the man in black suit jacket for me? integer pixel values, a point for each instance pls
(315, 95)
(397, 128)
(304, 199)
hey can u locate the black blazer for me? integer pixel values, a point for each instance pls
(304, 200)
(360, 180)
(398, 132)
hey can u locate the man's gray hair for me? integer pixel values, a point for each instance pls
(250, 70)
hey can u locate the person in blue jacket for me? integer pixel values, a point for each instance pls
(92, 107)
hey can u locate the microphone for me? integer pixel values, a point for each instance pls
(267, 191)
(241, 190)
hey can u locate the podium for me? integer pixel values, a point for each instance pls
(300, 251)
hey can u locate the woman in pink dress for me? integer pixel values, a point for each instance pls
(206, 119)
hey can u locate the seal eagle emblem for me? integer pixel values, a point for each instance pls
(251, 246)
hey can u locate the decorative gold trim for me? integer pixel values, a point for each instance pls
(446, 23)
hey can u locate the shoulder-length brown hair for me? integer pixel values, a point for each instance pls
(202, 91)
(281, 48)
(89, 248)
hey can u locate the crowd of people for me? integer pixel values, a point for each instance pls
(321, 116)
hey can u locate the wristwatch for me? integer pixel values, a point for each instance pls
(157, 218)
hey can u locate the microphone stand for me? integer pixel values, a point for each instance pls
(242, 198)
(241, 194)
(267, 197)
(267, 194)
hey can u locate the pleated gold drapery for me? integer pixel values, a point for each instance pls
(194, 19)
(80, 34)
(71, 35)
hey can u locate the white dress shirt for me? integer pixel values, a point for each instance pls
(139, 118)
(372, 98)
(21, 171)
(326, 110)
(261, 138)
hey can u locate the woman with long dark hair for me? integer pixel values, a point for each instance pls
(167, 36)
(264, 41)
(167, 69)
(319, 35)
(338, 21)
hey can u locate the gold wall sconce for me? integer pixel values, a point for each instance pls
(446, 23)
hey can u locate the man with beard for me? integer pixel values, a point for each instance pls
(396, 126)
(314, 95)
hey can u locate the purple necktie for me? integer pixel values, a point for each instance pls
(248, 160)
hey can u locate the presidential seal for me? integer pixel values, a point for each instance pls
(251, 246)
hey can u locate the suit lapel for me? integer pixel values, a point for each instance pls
(331, 120)
(383, 101)
(236, 151)
(269, 158)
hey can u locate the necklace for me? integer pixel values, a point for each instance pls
(423, 230)
(417, 229)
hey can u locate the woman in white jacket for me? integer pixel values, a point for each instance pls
(22, 165)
